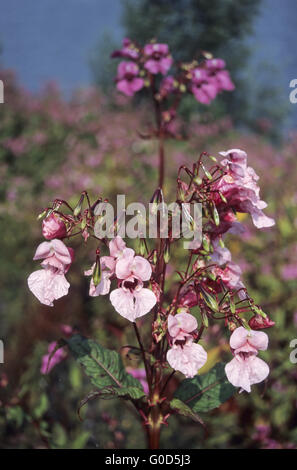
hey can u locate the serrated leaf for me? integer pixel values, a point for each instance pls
(206, 392)
(105, 369)
(182, 409)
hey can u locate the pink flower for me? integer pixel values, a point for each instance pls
(53, 227)
(181, 326)
(187, 359)
(189, 298)
(202, 88)
(230, 275)
(49, 284)
(128, 81)
(246, 368)
(257, 322)
(219, 76)
(239, 186)
(57, 357)
(131, 299)
(158, 58)
(107, 270)
(116, 247)
(220, 255)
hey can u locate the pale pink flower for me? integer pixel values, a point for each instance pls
(239, 186)
(246, 368)
(53, 227)
(131, 299)
(49, 284)
(116, 247)
(220, 255)
(181, 326)
(230, 275)
(158, 58)
(47, 362)
(187, 359)
(107, 270)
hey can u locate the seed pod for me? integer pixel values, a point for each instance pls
(209, 300)
(204, 319)
(97, 272)
(216, 216)
(78, 207)
(167, 253)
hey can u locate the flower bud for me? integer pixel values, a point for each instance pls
(53, 227)
(258, 322)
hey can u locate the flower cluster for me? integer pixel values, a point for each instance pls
(204, 80)
(131, 299)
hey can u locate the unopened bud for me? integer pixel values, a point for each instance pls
(167, 253)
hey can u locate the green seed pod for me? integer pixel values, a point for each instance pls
(97, 272)
(78, 207)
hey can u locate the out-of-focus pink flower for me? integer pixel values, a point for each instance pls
(187, 359)
(47, 362)
(158, 58)
(289, 272)
(167, 86)
(128, 81)
(181, 326)
(53, 227)
(218, 75)
(202, 88)
(49, 284)
(246, 368)
(128, 51)
(131, 299)
(239, 186)
(139, 374)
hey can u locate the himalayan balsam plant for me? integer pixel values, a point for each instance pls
(208, 288)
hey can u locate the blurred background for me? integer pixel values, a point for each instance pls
(63, 129)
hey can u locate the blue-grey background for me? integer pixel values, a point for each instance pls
(49, 39)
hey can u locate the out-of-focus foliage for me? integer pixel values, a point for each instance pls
(50, 148)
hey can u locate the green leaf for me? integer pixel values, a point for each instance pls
(182, 409)
(105, 369)
(207, 391)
